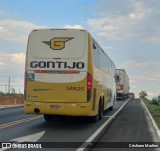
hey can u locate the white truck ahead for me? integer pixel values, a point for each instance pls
(122, 84)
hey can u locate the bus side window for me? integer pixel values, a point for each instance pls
(94, 46)
(96, 55)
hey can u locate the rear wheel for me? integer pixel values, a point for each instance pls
(100, 113)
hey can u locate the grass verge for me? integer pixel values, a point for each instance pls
(154, 109)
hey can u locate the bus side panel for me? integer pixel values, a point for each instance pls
(104, 81)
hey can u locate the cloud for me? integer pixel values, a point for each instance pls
(12, 65)
(14, 61)
(73, 26)
(16, 30)
(1, 63)
(18, 57)
(143, 70)
(135, 19)
(150, 94)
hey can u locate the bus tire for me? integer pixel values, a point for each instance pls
(100, 113)
(47, 117)
(100, 110)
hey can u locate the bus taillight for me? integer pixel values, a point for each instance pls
(89, 86)
(89, 81)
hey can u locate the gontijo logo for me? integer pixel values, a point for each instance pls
(57, 43)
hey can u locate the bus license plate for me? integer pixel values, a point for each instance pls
(56, 107)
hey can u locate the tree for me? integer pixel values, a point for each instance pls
(13, 91)
(1, 93)
(143, 94)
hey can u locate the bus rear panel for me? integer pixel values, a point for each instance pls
(67, 73)
(57, 79)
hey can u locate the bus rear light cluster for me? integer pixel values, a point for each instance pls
(89, 86)
(89, 81)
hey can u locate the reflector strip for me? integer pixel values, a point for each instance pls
(41, 71)
(56, 58)
(57, 71)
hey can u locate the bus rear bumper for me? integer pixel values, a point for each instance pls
(68, 109)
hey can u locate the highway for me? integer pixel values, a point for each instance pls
(72, 133)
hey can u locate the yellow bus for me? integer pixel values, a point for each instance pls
(67, 73)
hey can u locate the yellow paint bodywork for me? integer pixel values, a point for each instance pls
(56, 92)
(72, 109)
(54, 98)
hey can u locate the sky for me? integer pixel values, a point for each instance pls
(127, 30)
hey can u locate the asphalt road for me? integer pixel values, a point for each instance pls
(15, 126)
(132, 126)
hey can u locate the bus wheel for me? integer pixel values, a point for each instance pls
(47, 117)
(100, 111)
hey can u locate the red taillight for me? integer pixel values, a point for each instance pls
(89, 82)
(89, 86)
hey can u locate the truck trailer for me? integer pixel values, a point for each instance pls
(122, 84)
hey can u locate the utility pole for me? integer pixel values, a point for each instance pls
(9, 85)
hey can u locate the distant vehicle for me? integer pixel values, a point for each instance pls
(67, 73)
(131, 95)
(122, 83)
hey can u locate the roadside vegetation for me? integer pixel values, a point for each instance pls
(153, 106)
(11, 93)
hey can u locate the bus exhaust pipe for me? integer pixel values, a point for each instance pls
(36, 110)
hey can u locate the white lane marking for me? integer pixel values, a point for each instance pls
(29, 138)
(106, 116)
(11, 109)
(152, 120)
(93, 136)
